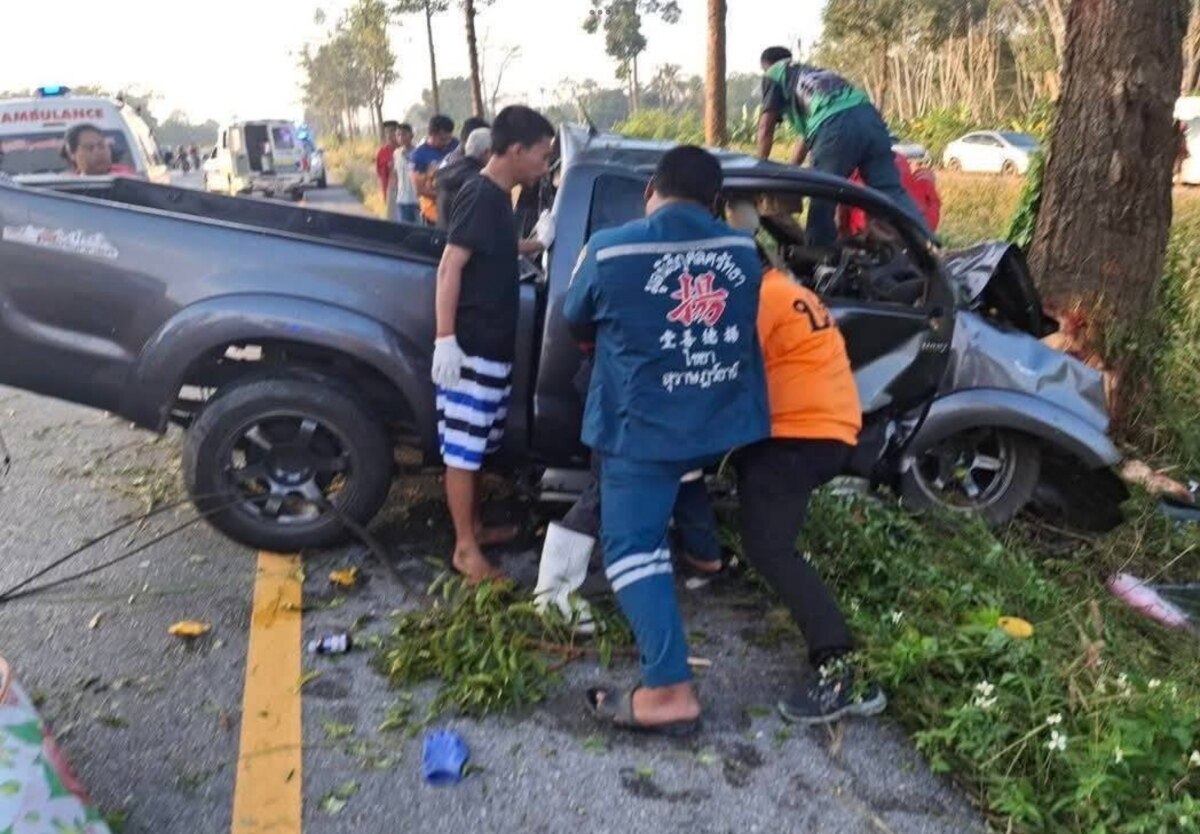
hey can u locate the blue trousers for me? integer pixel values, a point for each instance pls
(855, 140)
(409, 213)
(693, 515)
(636, 501)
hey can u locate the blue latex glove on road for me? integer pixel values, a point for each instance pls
(446, 755)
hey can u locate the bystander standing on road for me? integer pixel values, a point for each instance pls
(477, 296)
(406, 189)
(837, 124)
(452, 177)
(384, 163)
(678, 381)
(438, 144)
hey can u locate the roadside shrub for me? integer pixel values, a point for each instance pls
(685, 128)
(1089, 725)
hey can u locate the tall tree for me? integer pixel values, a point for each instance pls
(428, 8)
(716, 120)
(367, 28)
(621, 22)
(1101, 237)
(477, 103)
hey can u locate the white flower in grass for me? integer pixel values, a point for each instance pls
(896, 617)
(1153, 683)
(1194, 760)
(1054, 720)
(1119, 755)
(984, 702)
(985, 688)
(1058, 742)
(1123, 683)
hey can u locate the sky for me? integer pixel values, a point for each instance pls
(188, 54)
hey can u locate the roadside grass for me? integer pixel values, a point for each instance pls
(1091, 724)
(352, 164)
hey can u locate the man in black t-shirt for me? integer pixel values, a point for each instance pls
(477, 298)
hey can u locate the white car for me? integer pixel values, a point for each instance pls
(263, 156)
(992, 152)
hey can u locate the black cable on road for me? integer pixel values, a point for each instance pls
(6, 595)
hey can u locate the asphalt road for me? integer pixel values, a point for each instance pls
(152, 723)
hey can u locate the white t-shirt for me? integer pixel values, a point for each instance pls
(406, 193)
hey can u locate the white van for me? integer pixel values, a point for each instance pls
(264, 156)
(33, 131)
(1187, 111)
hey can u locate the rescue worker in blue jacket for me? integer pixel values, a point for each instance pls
(678, 381)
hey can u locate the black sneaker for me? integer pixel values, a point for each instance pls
(831, 695)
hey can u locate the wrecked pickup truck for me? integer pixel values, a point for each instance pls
(294, 345)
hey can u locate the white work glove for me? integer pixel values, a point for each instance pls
(448, 360)
(543, 232)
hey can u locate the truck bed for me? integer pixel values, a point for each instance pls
(382, 237)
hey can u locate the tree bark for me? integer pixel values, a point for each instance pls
(716, 121)
(1102, 229)
(473, 53)
(433, 76)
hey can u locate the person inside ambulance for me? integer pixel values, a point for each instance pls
(90, 155)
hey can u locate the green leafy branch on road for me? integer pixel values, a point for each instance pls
(488, 647)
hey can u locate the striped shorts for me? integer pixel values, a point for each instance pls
(471, 414)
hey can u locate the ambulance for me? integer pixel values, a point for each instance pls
(265, 156)
(33, 130)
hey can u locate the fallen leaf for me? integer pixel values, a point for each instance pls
(189, 629)
(595, 744)
(307, 678)
(94, 622)
(335, 730)
(334, 802)
(346, 578)
(1016, 628)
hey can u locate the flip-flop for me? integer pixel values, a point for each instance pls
(617, 711)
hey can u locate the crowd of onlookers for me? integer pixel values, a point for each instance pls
(420, 182)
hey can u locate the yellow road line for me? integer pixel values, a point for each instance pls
(267, 789)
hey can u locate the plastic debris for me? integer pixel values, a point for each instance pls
(1145, 600)
(346, 578)
(189, 629)
(1016, 628)
(331, 644)
(446, 756)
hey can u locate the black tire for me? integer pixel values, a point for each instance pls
(1009, 168)
(954, 164)
(323, 182)
(939, 476)
(299, 442)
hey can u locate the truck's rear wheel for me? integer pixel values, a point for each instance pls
(266, 458)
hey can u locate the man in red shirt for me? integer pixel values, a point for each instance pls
(383, 166)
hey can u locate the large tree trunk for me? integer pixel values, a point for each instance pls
(473, 54)
(1101, 235)
(433, 78)
(716, 121)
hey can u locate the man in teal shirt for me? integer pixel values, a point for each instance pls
(837, 125)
